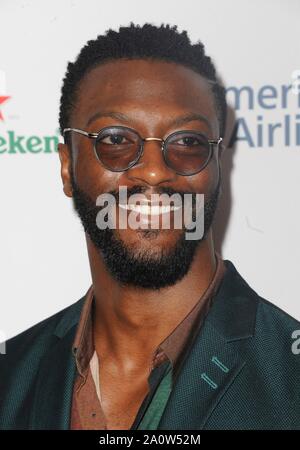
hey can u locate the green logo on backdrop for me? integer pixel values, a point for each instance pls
(12, 143)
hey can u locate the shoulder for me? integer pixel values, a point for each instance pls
(274, 348)
(22, 357)
(266, 341)
(274, 317)
(36, 339)
(277, 334)
(272, 332)
(267, 313)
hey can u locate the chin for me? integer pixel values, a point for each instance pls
(159, 237)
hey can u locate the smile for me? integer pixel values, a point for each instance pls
(152, 210)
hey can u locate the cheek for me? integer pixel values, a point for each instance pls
(205, 182)
(91, 176)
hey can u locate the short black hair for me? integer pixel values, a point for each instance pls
(140, 42)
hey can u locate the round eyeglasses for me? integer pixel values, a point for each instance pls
(118, 148)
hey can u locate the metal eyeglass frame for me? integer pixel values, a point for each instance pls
(211, 143)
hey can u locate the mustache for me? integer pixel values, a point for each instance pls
(159, 191)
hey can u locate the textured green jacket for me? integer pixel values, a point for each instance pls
(241, 372)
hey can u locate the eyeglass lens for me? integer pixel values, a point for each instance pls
(185, 152)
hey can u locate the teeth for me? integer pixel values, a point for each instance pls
(153, 210)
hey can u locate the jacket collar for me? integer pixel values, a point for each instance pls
(233, 312)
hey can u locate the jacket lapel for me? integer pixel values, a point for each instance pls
(53, 393)
(217, 357)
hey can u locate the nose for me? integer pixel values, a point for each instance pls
(151, 168)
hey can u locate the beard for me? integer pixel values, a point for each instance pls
(141, 268)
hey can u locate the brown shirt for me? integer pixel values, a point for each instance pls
(86, 410)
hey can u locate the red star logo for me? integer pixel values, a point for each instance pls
(3, 99)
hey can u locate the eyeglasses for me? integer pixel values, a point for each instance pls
(118, 148)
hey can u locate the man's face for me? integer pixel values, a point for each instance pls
(151, 94)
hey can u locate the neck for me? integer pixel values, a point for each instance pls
(126, 316)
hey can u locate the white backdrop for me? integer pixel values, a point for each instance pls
(255, 44)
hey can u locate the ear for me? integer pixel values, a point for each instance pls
(65, 161)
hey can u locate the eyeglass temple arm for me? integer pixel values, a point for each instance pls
(84, 133)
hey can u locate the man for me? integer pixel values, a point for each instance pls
(168, 336)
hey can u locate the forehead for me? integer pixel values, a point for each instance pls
(148, 90)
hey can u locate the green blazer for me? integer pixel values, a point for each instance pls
(241, 372)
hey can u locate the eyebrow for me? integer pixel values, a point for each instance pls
(181, 120)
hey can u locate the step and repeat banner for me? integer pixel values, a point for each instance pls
(256, 48)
